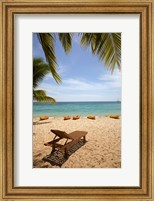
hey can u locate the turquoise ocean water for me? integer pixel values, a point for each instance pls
(76, 108)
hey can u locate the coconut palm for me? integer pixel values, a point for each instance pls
(107, 46)
(40, 70)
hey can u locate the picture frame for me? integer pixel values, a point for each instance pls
(7, 189)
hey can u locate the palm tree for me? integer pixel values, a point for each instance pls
(40, 70)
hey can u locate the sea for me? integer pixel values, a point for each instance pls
(76, 108)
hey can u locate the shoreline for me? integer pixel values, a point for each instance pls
(85, 116)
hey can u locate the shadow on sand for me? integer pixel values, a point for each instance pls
(58, 157)
(39, 122)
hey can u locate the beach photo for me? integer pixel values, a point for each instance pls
(76, 100)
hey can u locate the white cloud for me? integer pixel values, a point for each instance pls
(112, 80)
(77, 84)
(107, 88)
(116, 75)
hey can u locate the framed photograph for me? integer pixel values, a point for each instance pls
(76, 100)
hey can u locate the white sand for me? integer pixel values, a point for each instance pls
(102, 150)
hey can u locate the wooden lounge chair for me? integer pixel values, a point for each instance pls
(71, 139)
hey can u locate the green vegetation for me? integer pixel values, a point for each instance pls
(40, 69)
(107, 46)
(47, 43)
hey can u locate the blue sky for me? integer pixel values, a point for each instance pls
(84, 77)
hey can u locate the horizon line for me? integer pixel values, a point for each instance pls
(78, 101)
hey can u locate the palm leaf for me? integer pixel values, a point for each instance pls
(66, 40)
(40, 95)
(40, 69)
(47, 43)
(106, 45)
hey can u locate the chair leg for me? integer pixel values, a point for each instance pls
(66, 153)
(53, 148)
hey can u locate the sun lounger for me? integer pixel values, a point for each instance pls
(71, 138)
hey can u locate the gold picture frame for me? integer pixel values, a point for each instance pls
(145, 9)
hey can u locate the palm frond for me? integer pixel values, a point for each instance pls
(47, 43)
(66, 40)
(106, 45)
(86, 39)
(40, 69)
(40, 95)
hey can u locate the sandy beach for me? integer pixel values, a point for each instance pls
(102, 149)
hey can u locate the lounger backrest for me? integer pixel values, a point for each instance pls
(61, 134)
